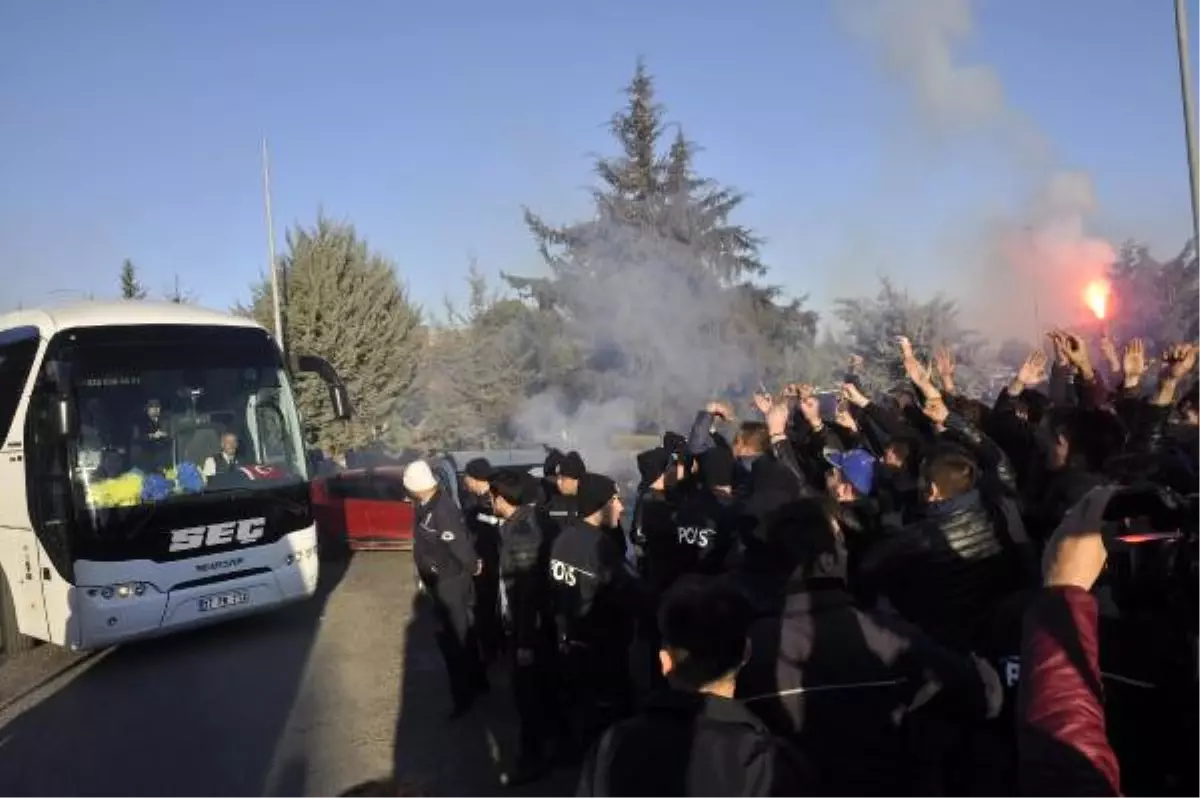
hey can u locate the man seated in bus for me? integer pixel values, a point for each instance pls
(225, 461)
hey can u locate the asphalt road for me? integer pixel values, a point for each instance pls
(306, 701)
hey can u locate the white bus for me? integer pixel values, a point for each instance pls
(154, 473)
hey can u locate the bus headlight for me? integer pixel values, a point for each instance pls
(120, 590)
(300, 555)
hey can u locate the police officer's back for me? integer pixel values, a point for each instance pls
(586, 567)
(706, 521)
(654, 518)
(694, 738)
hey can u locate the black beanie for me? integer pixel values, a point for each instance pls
(572, 466)
(554, 459)
(480, 469)
(653, 463)
(716, 467)
(595, 491)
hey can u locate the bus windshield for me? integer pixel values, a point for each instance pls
(171, 411)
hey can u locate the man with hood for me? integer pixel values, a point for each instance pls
(838, 681)
(446, 564)
(693, 737)
(594, 610)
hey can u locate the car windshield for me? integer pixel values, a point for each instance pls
(190, 411)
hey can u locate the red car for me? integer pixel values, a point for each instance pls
(363, 508)
(368, 508)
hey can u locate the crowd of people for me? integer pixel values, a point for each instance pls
(905, 597)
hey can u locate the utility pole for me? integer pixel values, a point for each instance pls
(1185, 85)
(271, 263)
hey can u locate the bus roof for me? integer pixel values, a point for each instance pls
(50, 320)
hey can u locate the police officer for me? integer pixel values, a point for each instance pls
(706, 521)
(563, 505)
(484, 526)
(654, 517)
(594, 610)
(447, 564)
(524, 581)
(653, 535)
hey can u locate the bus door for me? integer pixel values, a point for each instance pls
(20, 552)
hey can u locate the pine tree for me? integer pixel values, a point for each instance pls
(131, 288)
(344, 302)
(656, 287)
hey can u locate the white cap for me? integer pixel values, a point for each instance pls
(418, 478)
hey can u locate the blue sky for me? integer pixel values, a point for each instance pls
(131, 129)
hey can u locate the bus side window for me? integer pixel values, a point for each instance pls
(16, 359)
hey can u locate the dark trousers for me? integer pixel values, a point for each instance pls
(488, 627)
(596, 687)
(456, 639)
(534, 695)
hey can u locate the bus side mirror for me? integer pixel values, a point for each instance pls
(339, 397)
(65, 417)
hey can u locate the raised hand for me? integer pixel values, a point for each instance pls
(1108, 348)
(1133, 363)
(851, 394)
(1033, 370)
(764, 402)
(777, 419)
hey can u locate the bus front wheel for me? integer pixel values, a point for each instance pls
(12, 642)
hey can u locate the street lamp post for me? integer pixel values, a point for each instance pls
(1185, 85)
(272, 264)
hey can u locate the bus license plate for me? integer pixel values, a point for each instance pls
(224, 600)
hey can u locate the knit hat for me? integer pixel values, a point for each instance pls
(653, 463)
(480, 469)
(418, 478)
(572, 466)
(716, 467)
(595, 491)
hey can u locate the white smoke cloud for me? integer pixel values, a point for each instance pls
(589, 429)
(1038, 256)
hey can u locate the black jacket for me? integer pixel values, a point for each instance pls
(702, 536)
(949, 571)
(586, 575)
(838, 681)
(483, 525)
(692, 744)
(524, 564)
(442, 547)
(654, 533)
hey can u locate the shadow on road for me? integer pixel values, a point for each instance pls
(466, 756)
(198, 713)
